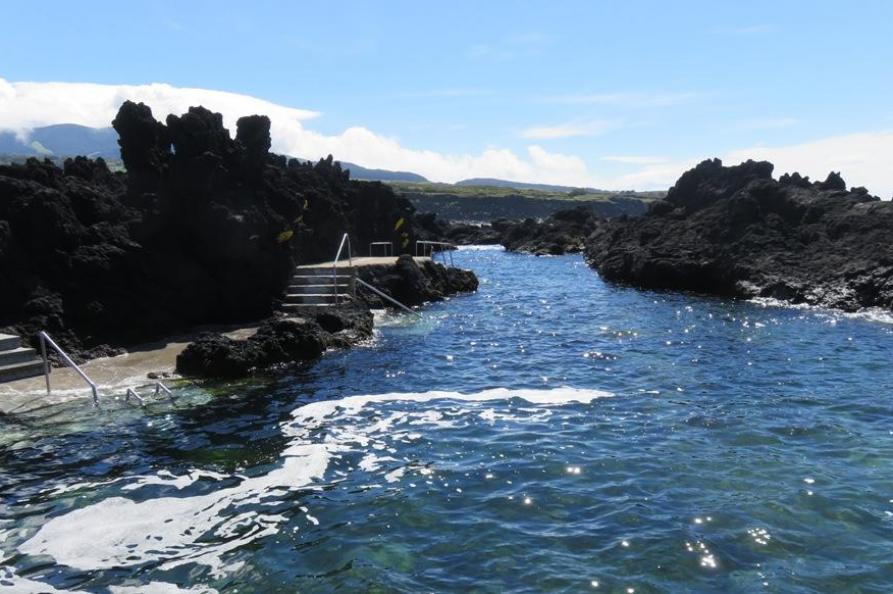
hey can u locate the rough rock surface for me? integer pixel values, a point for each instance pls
(278, 342)
(736, 231)
(413, 284)
(562, 233)
(203, 228)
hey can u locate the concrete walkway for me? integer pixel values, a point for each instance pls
(113, 375)
(363, 261)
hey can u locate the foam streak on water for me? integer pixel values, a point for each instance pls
(119, 532)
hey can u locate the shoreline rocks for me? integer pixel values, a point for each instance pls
(204, 228)
(290, 340)
(412, 283)
(278, 342)
(737, 232)
(564, 232)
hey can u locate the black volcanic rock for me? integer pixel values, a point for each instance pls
(562, 233)
(412, 283)
(735, 231)
(278, 342)
(203, 228)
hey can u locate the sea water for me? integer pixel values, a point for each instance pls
(550, 433)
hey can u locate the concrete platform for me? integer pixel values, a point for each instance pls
(113, 375)
(363, 261)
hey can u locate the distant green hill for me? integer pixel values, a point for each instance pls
(504, 183)
(485, 203)
(63, 140)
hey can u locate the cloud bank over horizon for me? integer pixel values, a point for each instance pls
(863, 158)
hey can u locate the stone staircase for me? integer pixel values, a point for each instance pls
(312, 287)
(16, 361)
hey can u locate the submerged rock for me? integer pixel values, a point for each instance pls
(736, 231)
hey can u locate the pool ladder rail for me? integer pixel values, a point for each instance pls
(46, 341)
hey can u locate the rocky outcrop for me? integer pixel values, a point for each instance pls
(562, 233)
(203, 228)
(413, 283)
(278, 342)
(469, 234)
(736, 231)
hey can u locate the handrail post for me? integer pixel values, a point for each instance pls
(46, 362)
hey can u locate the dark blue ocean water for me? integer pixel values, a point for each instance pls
(550, 433)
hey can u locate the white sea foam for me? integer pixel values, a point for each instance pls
(869, 314)
(10, 582)
(160, 588)
(481, 248)
(175, 531)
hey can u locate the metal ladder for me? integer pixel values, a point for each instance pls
(45, 340)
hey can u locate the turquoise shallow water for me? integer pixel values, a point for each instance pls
(582, 438)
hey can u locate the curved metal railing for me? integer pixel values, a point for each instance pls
(429, 248)
(344, 239)
(46, 340)
(388, 297)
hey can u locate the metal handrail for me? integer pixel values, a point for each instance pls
(344, 238)
(388, 297)
(159, 388)
(44, 340)
(131, 392)
(389, 247)
(424, 243)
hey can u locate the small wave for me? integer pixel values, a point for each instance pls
(176, 531)
(481, 248)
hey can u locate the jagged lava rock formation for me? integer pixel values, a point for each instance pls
(203, 228)
(564, 232)
(736, 231)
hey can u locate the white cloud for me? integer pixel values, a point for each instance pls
(766, 123)
(568, 130)
(634, 159)
(25, 105)
(864, 159)
(624, 99)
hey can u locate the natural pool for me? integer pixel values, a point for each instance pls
(549, 433)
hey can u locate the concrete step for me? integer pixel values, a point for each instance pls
(313, 279)
(17, 355)
(313, 298)
(21, 370)
(345, 288)
(297, 308)
(9, 342)
(324, 271)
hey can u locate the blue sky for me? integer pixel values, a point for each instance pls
(631, 90)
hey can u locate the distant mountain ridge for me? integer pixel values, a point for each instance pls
(68, 140)
(63, 140)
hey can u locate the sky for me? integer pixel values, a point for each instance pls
(616, 95)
